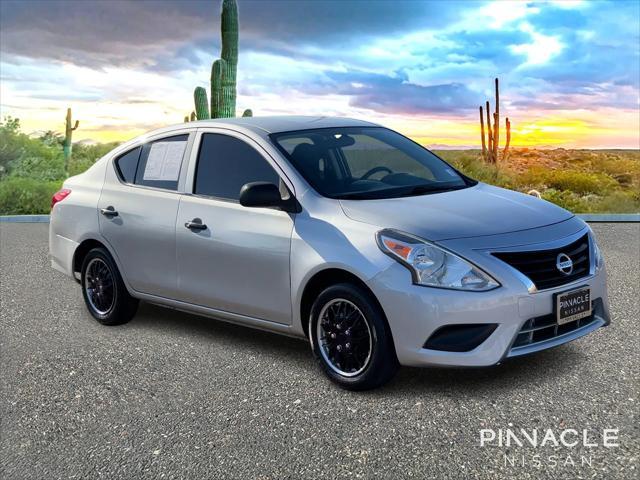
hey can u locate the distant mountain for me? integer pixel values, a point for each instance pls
(87, 141)
(442, 146)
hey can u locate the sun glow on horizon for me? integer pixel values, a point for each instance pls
(568, 70)
(566, 131)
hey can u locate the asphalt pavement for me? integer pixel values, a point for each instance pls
(172, 395)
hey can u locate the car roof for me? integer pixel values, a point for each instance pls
(270, 124)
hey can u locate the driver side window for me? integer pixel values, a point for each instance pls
(225, 164)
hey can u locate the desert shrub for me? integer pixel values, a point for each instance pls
(84, 156)
(46, 167)
(571, 180)
(471, 164)
(566, 199)
(613, 202)
(625, 170)
(26, 195)
(23, 156)
(41, 158)
(12, 144)
(617, 202)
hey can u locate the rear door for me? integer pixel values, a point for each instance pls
(238, 261)
(138, 208)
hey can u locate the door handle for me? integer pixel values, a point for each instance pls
(195, 224)
(109, 212)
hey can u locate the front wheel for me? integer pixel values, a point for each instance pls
(104, 291)
(351, 338)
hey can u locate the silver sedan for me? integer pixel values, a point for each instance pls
(335, 230)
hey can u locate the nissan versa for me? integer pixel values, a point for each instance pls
(335, 230)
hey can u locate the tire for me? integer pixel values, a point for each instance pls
(103, 290)
(343, 355)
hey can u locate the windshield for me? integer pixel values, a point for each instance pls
(366, 163)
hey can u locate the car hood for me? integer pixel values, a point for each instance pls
(475, 211)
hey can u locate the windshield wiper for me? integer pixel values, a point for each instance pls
(407, 191)
(422, 189)
(367, 195)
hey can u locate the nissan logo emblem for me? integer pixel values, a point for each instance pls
(564, 264)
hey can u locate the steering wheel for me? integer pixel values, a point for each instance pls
(375, 170)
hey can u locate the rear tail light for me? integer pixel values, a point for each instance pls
(59, 196)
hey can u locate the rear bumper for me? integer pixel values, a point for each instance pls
(415, 313)
(61, 251)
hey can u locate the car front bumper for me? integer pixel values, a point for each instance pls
(415, 313)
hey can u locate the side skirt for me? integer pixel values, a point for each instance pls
(229, 317)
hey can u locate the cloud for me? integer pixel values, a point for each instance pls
(541, 49)
(408, 58)
(395, 94)
(128, 32)
(91, 33)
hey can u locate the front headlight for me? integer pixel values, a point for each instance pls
(433, 266)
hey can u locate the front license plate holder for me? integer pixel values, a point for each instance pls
(572, 305)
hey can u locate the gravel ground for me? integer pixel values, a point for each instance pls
(171, 395)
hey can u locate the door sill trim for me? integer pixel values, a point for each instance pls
(229, 317)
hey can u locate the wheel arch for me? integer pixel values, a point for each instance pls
(81, 252)
(324, 279)
(85, 247)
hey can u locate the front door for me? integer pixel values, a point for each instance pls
(230, 257)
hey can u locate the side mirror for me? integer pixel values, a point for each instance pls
(265, 195)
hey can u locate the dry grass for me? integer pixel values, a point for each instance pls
(584, 181)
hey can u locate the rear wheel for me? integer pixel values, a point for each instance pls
(351, 339)
(104, 292)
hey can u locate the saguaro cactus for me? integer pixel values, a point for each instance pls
(229, 32)
(202, 105)
(223, 70)
(68, 132)
(218, 73)
(505, 152)
(491, 147)
(484, 145)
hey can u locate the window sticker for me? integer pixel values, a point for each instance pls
(164, 160)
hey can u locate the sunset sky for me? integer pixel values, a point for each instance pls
(569, 70)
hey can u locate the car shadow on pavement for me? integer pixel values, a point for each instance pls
(199, 328)
(523, 373)
(518, 373)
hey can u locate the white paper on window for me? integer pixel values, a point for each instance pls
(163, 162)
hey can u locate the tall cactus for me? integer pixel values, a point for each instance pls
(218, 73)
(223, 70)
(491, 147)
(484, 145)
(68, 132)
(229, 33)
(202, 104)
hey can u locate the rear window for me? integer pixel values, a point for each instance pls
(127, 164)
(160, 162)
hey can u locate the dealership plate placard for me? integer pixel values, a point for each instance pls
(573, 305)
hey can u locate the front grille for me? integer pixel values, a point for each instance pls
(540, 329)
(540, 265)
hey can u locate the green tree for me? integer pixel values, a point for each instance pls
(23, 156)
